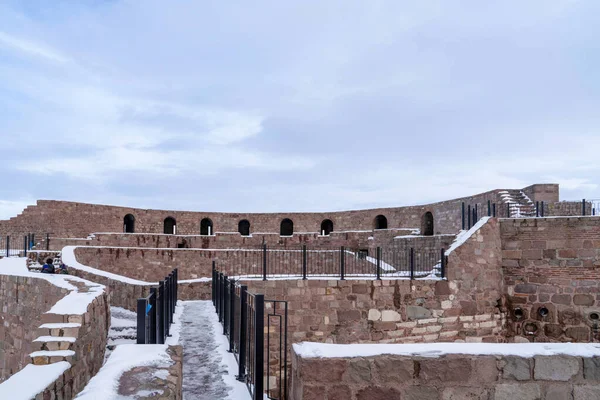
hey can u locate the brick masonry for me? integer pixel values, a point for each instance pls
(450, 377)
(552, 265)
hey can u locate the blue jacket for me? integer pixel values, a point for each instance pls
(48, 269)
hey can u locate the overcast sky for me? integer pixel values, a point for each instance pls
(295, 105)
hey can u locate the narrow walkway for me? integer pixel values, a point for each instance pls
(208, 369)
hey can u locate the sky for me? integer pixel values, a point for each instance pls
(300, 105)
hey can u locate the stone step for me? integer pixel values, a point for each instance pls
(54, 343)
(45, 357)
(69, 329)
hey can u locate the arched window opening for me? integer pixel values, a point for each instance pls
(129, 224)
(381, 222)
(170, 226)
(244, 227)
(206, 227)
(427, 224)
(326, 227)
(287, 227)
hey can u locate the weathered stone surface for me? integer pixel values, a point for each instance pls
(417, 312)
(516, 368)
(518, 391)
(359, 370)
(420, 393)
(338, 392)
(591, 368)
(525, 289)
(325, 370)
(559, 392)
(390, 316)
(393, 369)
(445, 369)
(578, 334)
(586, 392)
(555, 368)
(583, 300)
(374, 315)
(465, 393)
(378, 393)
(564, 299)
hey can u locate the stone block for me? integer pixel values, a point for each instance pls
(559, 392)
(420, 393)
(445, 369)
(390, 316)
(378, 393)
(393, 369)
(417, 312)
(516, 368)
(586, 392)
(579, 334)
(555, 368)
(339, 392)
(374, 315)
(359, 371)
(591, 368)
(583, 300)
(564, 299)
(518, 391)
(465, 393)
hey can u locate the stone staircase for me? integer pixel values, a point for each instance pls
(56, 339)
(520, 204)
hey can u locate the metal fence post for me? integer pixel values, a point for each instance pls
(469, 216)
(32, 240)
(47, 241)
(489, 208)
(463, 215)
(226, 305)
(537, 209)
(304, 262)
(214, 288)
(412, 263)
(7, 246)
(342, 263)
(583, 207)
(153, 316)
(231, 313)
(259, 349)
(141, 321)
(475, 214)
(508, 209)
(161, 313)
(443, 264)
(494, 210)
(378, 263)
(264, 262)
(543, 208)
(243, 333)
(167, 306)
(25, 245)
(220, 299)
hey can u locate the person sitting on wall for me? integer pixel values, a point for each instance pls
(62, 269)
(48, 268)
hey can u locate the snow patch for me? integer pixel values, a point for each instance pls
(463, 236)
(31, 380)
(323, 350)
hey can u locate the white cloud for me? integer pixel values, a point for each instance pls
(31, 48)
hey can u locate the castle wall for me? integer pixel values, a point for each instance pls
(380, 376)
(552, 263)
(23, 301)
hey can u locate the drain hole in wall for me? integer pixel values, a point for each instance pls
(518, 313)
(530, 328)
(543, 312)
(594, 316)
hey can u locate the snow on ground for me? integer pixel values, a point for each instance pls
(105, 384)
(208, 369)
(322, 350)
(31, 380)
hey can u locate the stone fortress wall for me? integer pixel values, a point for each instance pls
(63, 219)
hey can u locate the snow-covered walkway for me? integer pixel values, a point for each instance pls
(208, 369)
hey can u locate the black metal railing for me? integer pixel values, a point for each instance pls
(16, 245)
(155, 312)
(342, 263)
(256, 329)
